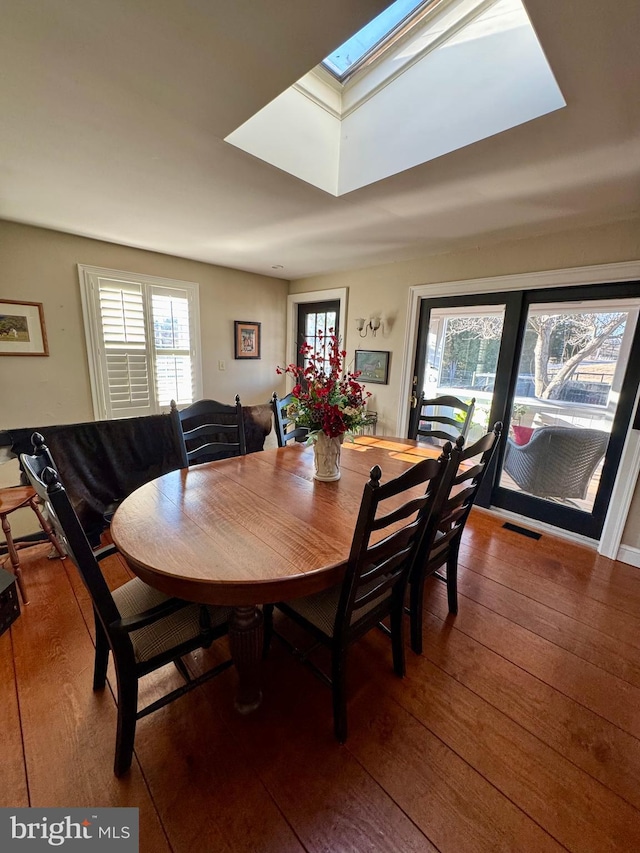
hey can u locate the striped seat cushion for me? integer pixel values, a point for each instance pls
(321, 607)
(136, 596)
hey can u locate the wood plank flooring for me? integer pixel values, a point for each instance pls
(518, 729)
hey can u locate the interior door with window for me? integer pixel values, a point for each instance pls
(315, 322)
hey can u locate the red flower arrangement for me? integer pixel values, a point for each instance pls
(327, 402)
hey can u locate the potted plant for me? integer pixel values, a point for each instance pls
(520, 434)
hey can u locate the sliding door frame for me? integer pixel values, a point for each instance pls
(512, 302)
(557, 279)
(590, 523)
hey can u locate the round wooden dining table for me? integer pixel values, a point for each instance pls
(252, 530)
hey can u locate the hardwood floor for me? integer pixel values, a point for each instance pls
(518, 729)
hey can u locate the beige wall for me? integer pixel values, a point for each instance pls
(38, 265)
(41, 266)
(631, 535)
(384, 291)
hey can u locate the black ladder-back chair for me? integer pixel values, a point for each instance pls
(376, 576)
(430, 412)
(143, 628)
(285, 427)
(212, 430)
(453, 513)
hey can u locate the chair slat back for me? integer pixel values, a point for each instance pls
(212, 430)
(46, 481)
(378, 567)
(284, 426)
(456, 506)
(384, 564)
(431, 413)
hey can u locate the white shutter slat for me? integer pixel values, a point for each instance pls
(122, 313)
(127, 365)
(171, 321)
(174, 379)
(172, 340)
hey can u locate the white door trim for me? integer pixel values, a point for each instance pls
(629, 467)
(622, 494)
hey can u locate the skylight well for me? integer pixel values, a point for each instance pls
(419, 81)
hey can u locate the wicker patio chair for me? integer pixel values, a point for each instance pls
(557, 462)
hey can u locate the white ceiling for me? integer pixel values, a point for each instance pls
(113, 115)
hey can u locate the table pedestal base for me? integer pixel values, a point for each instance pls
(246, 634)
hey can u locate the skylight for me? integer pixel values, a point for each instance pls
(451, 73)
(346, 58)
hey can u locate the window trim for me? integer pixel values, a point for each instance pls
(88, 276)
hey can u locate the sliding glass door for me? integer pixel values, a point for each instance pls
(576, 372)
(560, 369)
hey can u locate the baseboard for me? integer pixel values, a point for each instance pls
(630, 555)
(540, 526)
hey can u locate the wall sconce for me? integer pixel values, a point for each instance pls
(373, 324)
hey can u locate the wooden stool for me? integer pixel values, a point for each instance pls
(17, 498)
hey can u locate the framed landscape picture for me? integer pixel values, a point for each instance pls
(373, 365)
(247, 339)
(22, 330)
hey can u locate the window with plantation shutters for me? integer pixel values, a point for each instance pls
(142, 340)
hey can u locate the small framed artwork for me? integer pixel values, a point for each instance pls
(373, 365)
(247, 339)
(22, 330)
